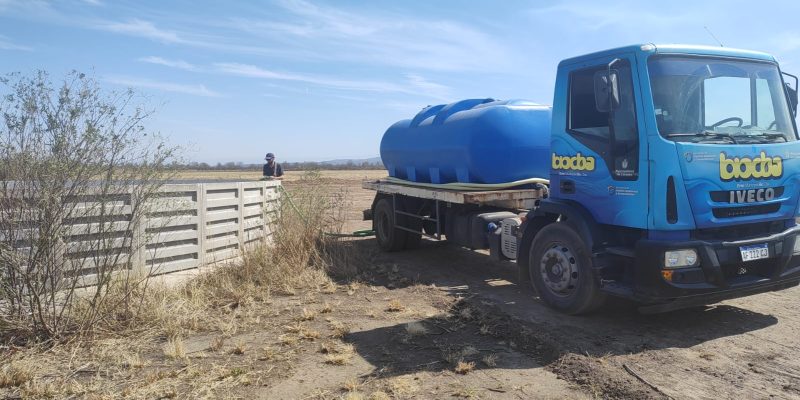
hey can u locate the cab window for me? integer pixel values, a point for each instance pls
(612, 135)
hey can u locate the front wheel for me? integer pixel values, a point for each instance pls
(560, 267)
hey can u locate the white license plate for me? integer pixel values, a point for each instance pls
(754, 252)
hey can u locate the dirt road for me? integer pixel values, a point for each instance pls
(743, 348)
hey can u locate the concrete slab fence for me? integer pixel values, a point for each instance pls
(191, 225)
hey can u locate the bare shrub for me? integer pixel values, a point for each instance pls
(78, 172)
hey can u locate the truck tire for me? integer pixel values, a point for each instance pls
(560, 267)
(383, 222)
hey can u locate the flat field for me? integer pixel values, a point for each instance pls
(439, 322)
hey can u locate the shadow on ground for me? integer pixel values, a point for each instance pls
(514, 315)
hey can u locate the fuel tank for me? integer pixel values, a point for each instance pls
(470, 141)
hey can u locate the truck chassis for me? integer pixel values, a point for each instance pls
(610, 261)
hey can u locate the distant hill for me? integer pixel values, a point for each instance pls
(339, 164)
(357, 161)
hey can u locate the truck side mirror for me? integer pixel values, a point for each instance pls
(606, 90)
(792, 93)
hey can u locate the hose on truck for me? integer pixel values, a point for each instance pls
(471, 186)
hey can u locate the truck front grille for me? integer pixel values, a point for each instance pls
(743, 211)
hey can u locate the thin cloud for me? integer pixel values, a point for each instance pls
(6, 44)
(381, 38)
(417, 85)
(194, 90)
(179, 64)
(595, 16)
(143, 29)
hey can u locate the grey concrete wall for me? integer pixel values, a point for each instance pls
(189, 226)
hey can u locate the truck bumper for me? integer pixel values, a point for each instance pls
(720, 275)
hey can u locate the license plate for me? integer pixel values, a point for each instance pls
(754, 252)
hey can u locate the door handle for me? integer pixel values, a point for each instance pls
(567, 186)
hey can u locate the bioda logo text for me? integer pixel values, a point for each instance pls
(745, 168)
(577, 162)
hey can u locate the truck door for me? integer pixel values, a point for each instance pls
(597, 158)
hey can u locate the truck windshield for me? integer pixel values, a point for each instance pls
(714, 100)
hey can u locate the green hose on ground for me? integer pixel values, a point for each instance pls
(360, 233)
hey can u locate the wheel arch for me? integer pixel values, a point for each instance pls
(548, 212)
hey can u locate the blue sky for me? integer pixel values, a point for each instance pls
(313, 80)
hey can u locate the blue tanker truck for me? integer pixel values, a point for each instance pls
(664, 174)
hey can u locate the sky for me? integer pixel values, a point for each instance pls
(320, 80)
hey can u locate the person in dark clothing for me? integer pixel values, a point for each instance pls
(272, 169)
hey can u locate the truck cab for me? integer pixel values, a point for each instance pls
(674, 180)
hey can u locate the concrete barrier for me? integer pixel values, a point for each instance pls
(190, 225)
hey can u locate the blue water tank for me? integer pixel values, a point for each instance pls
(473, 141)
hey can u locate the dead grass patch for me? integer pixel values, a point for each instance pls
(351, 385)
(239, 348)
(339, 329)
(416, 328)
(307, 315)
(338, 359)
(15, 373)
(217, 343)
(402, 386)
(395, 306)
(379, 395)
(489, 360)
(174, 348)
(309, 334)
(464, 367)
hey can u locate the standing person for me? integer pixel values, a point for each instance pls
(272, 169)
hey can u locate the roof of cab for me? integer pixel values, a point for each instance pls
(674, 49)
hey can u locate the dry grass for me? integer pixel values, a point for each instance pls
(217, 343)
(239, 348)
(288, 340)
(395, 306)
(489, 360)
(337, 353)
(307, 315)
(464, 367)
(339, 329)
(416, 329)
(351, 385)
(219, 303)
(309, 334)
(338, 359)
(15, 373)
(402, 386)
(174, 348)
(378, 395)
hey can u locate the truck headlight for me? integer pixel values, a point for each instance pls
(681, 258)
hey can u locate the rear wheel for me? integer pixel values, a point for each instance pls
(560, 268)
(383, 222)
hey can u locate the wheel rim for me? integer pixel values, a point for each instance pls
(559, 270)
